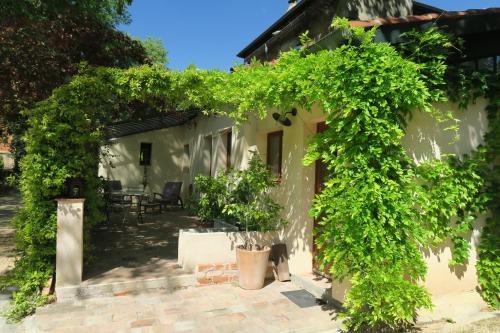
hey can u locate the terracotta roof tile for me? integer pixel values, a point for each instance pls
(422, 18)
(4, 148)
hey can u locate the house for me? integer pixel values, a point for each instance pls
(6, 158)
(184, 146)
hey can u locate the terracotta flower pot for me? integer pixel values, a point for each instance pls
(252, 266)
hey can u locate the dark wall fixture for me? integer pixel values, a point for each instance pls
(145, 154)
(283, 119)
(74, 188)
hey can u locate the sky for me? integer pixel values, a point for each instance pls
(209, 34)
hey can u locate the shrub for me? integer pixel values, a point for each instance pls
(250, 201)
(241, 197)
(211, 194)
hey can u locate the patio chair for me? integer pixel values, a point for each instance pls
(115, 201)
(171, 195)
(114, 185)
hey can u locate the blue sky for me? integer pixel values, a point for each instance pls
(209, 34)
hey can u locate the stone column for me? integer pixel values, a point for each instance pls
(69, 251)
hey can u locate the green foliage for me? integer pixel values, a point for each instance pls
(30, 275)
(488, 265)
(381, 299)
(431, 49)
(250, 201)
(155, 50)
(42, 44)
(240, 196)
(377, 209)
(450, 200)
(109, 12)
(211, 195)
(61, 144)
(2, 173)
(369, 224)
(461, 189)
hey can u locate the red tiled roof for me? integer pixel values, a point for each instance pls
(422, 18)
(4, 148)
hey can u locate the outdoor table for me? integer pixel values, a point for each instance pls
(136, 197)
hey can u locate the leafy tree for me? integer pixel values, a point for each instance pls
(110, 12)
(155, 50)
(42, 44)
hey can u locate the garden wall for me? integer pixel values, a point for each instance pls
(215, 246)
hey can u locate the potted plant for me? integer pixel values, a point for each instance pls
(251, 205)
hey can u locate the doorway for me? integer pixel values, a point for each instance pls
(321, 172)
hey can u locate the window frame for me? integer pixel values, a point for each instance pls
(142, 153)
(229, 147)
(209, 141)
(271, 135)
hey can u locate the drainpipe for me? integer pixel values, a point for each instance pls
(291, 4)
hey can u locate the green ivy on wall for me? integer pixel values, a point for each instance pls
(378, 209)
(465, 87)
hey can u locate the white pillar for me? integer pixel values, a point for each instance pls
(69, 251)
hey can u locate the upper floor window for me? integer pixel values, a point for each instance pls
(275, 152)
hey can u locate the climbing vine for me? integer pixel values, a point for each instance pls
(466, 86)
(378, 208)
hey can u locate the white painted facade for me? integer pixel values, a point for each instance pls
(173, 161)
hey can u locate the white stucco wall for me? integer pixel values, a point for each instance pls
(121, 162)
(296, 189)
(425, 139)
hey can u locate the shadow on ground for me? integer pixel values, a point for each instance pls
(125, 251)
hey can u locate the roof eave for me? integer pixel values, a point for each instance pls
(263, 37)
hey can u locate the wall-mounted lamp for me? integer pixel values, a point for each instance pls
(283, 119)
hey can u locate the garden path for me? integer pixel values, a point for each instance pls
(9, 204)
(209, 309)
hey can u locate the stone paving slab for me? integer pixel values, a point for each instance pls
(212, 309)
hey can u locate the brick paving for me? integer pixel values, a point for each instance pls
(211, 309)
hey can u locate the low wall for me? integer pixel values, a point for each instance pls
(215, 246)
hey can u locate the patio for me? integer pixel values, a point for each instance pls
(137, 251)
(218, 308)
